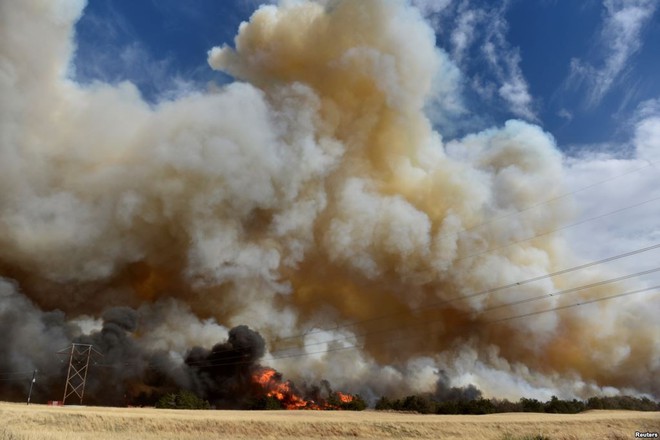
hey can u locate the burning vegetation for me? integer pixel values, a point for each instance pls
(282, 394)
(312, 193)
(228, 376)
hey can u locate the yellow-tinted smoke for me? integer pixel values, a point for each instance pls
(313, 194)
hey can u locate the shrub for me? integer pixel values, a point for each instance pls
(531, 405)
(264, 403)
(183, 399)
(425, 404)
(357, 404)
(418, 403)
(384, 404)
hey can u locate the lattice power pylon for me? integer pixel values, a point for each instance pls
(79, 356)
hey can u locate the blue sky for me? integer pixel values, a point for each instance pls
(578, 69)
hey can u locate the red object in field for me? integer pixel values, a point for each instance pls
(55, 403)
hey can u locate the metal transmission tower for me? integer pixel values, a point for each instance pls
(79, 356)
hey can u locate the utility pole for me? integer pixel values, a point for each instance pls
(34, 379)
(79, 356)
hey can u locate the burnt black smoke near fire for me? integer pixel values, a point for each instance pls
(224, 374)
(124, 372)
(310, 198)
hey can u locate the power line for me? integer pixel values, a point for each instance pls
(468, 313)
(486, 292)
(26, 373)
(363, 345)
(20, 376)
(490, 309)
(570, 225)
(16, 379)
(465, 313)
(527, 208)
(584, 303)
(479, 293)
(561, 196)
(237, 360)
(15, 373)
(521, 282)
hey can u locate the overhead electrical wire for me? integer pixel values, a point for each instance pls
(559, 197)
(466, 313)
(491, 308)
(570, 225)
(363, 345)
(479, 293)
(495, 289)
(239, 359)
(527, 208)
(484, 292)
(580, 222)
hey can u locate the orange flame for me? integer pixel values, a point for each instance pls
(282, 391)
(273, 385)
(345, 398)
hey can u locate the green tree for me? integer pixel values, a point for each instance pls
(384, 404)
(183, 399)
(357, 404)
(531, 405)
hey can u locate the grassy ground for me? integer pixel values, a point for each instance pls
(38, 422)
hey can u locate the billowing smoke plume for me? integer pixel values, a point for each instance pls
(444, 392)
(311, 193)
(225, 372)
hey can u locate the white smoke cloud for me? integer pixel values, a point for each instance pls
(633, 179)
(311, 191)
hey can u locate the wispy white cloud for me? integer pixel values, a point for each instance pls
(504, 61)
(134, 63)
(119, 55)
(470, 25)
(464, 34)
(565, 114)
(620, 39)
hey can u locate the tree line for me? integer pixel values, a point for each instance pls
(426, 404)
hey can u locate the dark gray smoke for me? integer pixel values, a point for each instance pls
(123, 372)
(117, 361)
(446, 393)
(223, 375)
(29, 339)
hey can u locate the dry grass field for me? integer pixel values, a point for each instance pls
(38, 422)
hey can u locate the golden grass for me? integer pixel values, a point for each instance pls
(39, 422)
